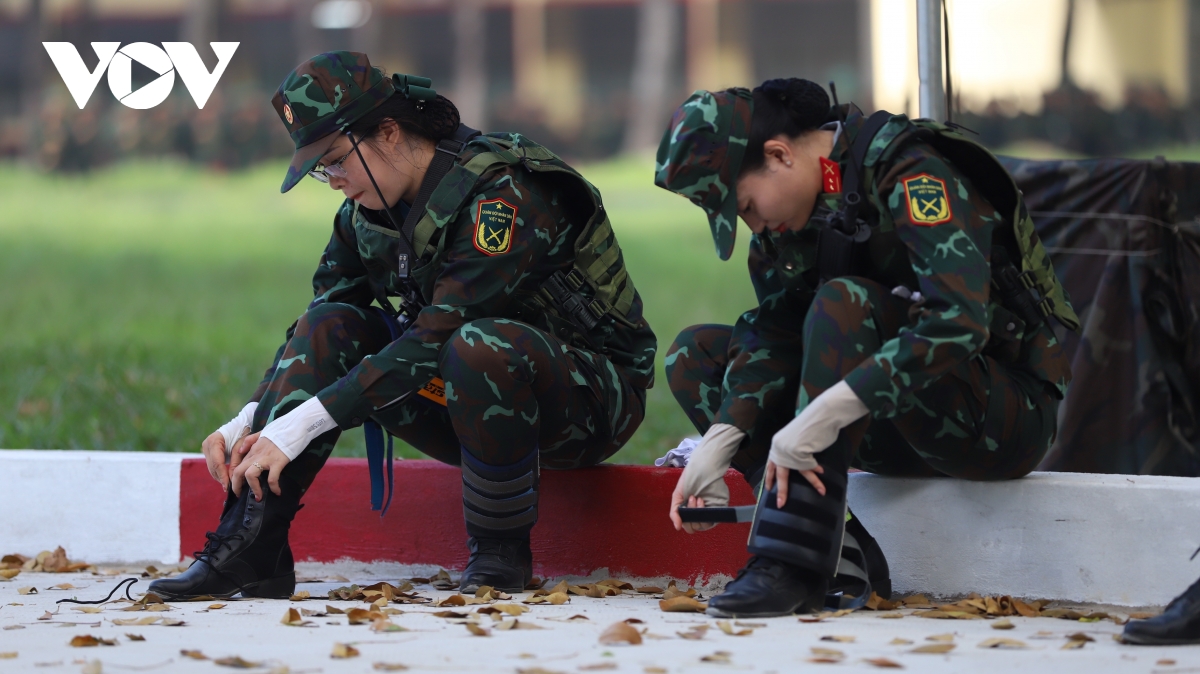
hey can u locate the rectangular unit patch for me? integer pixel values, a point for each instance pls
(494, 223)
(831, 176)
(927, 201)
(435, 390)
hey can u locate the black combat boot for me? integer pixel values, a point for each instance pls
(500, 507)
(248, 553)
(796, 548)
(862, 569)
(1179, 623)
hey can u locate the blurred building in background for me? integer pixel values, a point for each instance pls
(592, 78)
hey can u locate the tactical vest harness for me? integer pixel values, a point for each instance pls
(1021, 269)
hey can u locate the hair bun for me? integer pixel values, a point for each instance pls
(804, 101)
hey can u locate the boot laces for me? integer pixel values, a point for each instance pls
(216, 542)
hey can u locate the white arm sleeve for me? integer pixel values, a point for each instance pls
(237, 427)
(292, 432)
(816, 428)
(704, 475)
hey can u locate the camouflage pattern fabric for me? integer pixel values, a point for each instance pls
(931, 233)
(580, 401)
(713, 127)
(1123, 237)
(328, 93)
(982, 420)
(510, 390)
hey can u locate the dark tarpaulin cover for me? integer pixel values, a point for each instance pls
(1124, 236)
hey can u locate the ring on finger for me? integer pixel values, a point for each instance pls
(256, 465)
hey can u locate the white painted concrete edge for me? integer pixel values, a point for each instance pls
(1109, 539)
(102, 507)
(1105, 539)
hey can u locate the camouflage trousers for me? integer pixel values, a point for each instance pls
(511, 389)
(984, 420)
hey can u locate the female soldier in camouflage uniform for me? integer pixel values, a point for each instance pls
(519, 341)
(889, 335)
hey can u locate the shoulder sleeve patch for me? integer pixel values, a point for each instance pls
(927, 201)
(494, 223)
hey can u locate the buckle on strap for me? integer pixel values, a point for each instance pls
(575, 279)
(1046, 307)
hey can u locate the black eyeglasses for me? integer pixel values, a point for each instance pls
(323, 173)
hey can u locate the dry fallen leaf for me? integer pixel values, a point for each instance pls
(695, 632)
(357, 616)
(148, 620)
(214, 607)
(933, 648)
(86, 640)
(8, 655)
(899, 642)
(681, 604)
(621, 633)
(890, 616)
(1079, 636)
(1073, 645)
(915, 601)
(598, 667)
(135, 637)
(172, 622)
(342, 651)
(649, 589)
(477, 630)
(93, 667)
(655, 670)
(999, 642)
(460, 600)
(536, 670)
(64, 586)
(236, 662)
(940, 637)
(728, 628)
(195, 655)
(1141, 615)
(1003, 624)
(722, 657)
(673, 591)
(1165, 663)
(9, 574)
(301, 595)
(389, 667)
(827, 652)
(838, 638)
(294, 619)
(382, 624)
(27, 590)
(88, 609)
(877, 603)
(884, 663)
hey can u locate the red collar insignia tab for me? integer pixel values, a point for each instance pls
(831, 176)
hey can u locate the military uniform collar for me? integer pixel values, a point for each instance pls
(846, 133)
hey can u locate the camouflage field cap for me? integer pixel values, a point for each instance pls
(328, 93)
(701, 153)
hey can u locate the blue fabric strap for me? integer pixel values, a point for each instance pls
(373, 434)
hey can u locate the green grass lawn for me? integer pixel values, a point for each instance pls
(144, 301)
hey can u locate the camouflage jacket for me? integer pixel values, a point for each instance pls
(942, 253)
(464, 281)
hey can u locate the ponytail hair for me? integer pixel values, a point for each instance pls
(789, 107)
(435, 120)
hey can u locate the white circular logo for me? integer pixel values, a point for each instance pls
(120, 75)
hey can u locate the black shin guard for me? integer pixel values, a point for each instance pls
(500, 507)
(500, 501)
(807, 531)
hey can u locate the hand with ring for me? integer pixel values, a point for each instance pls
(257, 456)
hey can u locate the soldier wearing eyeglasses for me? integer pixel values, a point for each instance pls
(472, 300)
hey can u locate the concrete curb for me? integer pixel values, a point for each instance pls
(1111, 539)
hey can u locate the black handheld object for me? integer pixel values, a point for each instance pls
(733, 515)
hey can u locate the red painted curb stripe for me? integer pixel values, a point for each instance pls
(604, 517)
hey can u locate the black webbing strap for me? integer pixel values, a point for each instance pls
(443, 160)
(853, 191)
